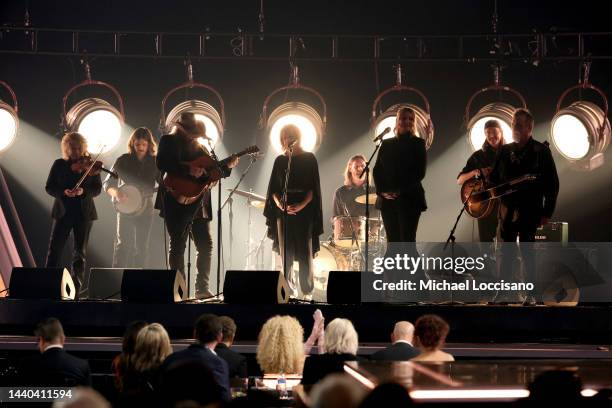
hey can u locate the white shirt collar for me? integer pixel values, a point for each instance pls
(53, 346)
(403, 341)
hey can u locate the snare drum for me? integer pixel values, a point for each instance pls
(348, 230)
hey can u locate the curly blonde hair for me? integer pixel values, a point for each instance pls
(152, 347)
(341, 337)
(281, 348)
(73, 137)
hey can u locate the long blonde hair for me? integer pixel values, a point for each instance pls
(280, 348)
(152, 347)
(71, 137)
(347, 170)
(290, 132)
(399, 113)
(142, 133)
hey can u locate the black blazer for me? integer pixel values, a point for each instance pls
(399, 351)
(201, 353)
(62, 178)
(317, 366)
(55, 367)
(236, 362)
(400, 168)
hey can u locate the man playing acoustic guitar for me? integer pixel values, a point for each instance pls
(175, 152)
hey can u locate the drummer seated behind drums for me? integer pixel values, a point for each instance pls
(345, 204)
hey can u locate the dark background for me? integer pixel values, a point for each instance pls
(349, 89)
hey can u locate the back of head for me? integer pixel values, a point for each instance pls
(388, 395)
(190, 380)
(280, 348)
(152, 347)
(403, 330)
(50, 331)
(208, 327)
(337, 391)
(83, 397)
(229, 329)
(129, 336)
(556, 385)
(431, 331)
(341, 337)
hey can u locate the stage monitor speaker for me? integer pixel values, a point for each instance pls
(105, 283)
(260, 287)
(41, 283)
(344, 287)
(152, 286)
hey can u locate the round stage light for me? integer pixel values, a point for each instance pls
(424, 126)
(98, 121)
(502, 112)
(9, 123)
(301, 115)
(203, 112)
(577, 133)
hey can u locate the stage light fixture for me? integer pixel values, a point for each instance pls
(424, 125)
(214, 121)
(9, 120)
(500, 111)
(302, 115)
(581, 131)
(96, 119)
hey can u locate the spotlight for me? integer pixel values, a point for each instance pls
(424, 125)
(203, 111)
(9, 120)
(500, 111)
(96, 119)
(581, 131)
(305, 117)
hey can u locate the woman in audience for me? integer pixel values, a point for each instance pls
(430, 333)
(280, 349)
(120, 363)
(151, 349)
(341, 343)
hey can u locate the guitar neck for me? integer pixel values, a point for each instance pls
(239, 154)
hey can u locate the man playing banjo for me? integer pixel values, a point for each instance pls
(132, 196)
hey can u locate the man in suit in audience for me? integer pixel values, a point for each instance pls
(54, 366)
(401, 348)
(236, 362)
(208, 332)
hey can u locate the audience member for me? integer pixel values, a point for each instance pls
(317, 336)
(54, 366)
(120, 363)
(430, 332)
(236, 362)
(401, 348)
(560, 387)
(388, 395)
(337, 391)
(280, 347)
(341, 343)
(208, 332)
(83, 397)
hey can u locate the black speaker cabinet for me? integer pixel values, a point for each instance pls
(152, 286)
(41, 283)
(267, 287)
(344, 287)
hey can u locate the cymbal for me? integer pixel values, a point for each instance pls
(257, 204)
(249, 195)
(362, 199)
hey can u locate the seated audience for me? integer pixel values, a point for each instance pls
(208, 332)
(143, 370)
(191, 383)
(401, 348)
(54, 366)
(120, 363)
(341, 343)
(430, 332)
(236, 362)
(388, 395)
(317, 336)
(337, 391)
(280, 347)
(83, 397)
(559, 387)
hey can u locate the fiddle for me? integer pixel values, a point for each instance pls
(86, 164)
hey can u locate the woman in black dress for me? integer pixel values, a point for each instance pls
(304, 211)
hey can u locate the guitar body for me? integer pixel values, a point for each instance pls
(471, 188)
(187, 190)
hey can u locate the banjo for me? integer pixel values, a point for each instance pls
(135, 201)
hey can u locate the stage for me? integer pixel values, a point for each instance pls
(374, 322)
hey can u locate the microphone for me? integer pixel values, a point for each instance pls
(382, 134)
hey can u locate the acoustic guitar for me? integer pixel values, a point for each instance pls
(478, 200)
(187, 189)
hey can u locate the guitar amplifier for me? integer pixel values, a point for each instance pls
(553, 232)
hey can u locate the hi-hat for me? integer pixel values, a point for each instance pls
(362, 199)
(249, 195)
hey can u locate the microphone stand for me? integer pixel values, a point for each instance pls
(366, 171)
(285, 214)
(219, 224)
